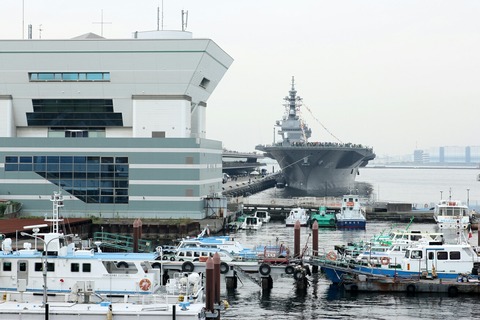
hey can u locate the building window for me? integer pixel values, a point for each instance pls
(69, 76)
(92, 179)
(76, 133)
(74, 114)
(204, 83)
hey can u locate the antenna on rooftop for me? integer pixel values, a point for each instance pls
(158, 17)
(184, 19)
(101, 23)
(23, 19)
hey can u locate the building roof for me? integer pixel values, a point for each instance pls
(88, 36)
(9, 227)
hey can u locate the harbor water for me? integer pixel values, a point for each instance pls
(324, 301)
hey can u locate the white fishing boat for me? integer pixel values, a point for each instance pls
(231, 245)
(65, 281)
(145, 309)
(297, 214)
(62, 265)
(263, 215)
(451, 214)
(252, 223)
(351, 214)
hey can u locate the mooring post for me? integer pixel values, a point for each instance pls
(478, 232)
(140, 228)
(231, 282)
(267, 283)
(210, 285)
(315, 244)
(216, 272)
(296, 239)
(136, 235)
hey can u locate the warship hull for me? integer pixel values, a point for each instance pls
(319, 170)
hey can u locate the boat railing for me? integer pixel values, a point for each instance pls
(299, 202)
(317, 144)
(121, 242)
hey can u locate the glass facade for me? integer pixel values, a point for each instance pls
(92, 179)
(74, 113)
(69, 76)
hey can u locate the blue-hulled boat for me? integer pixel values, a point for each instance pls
(351, 214)
(423, 258)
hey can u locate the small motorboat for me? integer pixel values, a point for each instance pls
(297, 214)
(252, 223)
(264, 216)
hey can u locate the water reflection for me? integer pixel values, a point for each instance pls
(322, 300)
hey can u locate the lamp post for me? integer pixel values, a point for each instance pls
(44, 264)
(441, 194)
(468, 197)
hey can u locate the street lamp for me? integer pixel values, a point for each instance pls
(44, 263)
(468, 197)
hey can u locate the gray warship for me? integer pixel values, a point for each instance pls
(314, 168)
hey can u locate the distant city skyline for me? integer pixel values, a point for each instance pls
(436, 155)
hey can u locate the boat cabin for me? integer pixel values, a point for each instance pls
(201, 254)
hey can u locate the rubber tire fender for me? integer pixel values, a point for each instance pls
(224, 267)
(452, 291)
(188, 266)
(298, 275)
(289, 269)
(264, 269)
(411, 288)
(122, 264)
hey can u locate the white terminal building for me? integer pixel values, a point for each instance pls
(117, 125)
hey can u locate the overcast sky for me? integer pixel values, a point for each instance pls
(391, 74)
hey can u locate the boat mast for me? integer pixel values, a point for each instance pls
(57, 200)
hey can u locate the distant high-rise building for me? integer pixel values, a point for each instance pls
(448, 155)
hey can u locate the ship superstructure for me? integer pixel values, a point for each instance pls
(318, 168)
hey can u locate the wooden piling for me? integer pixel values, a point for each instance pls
(136, 234)
(216, 271)
(296, 240)
(315, 244)
(210, 285)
